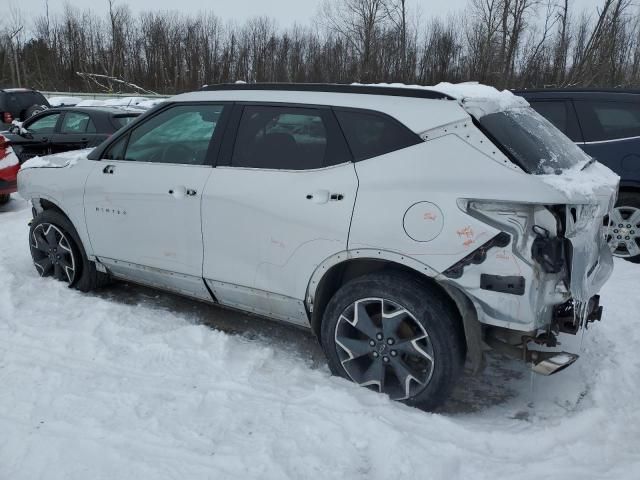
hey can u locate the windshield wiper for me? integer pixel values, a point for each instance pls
(590, 162)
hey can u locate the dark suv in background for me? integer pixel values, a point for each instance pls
(20, 104)
(606, 125)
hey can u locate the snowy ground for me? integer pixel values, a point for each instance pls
(128, 383)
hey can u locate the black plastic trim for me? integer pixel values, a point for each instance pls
(513, 285)
(478, 256)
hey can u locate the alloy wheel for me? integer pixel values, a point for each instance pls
(52, 254)
(624, 232)
(382, 346)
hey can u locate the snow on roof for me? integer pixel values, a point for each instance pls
(477, 99)
(63, 101)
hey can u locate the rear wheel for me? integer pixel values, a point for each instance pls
(396, 335)
(4, 198)
(57, 252)
(624, 227)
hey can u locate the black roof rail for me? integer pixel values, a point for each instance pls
(331, 88)
(576, 90)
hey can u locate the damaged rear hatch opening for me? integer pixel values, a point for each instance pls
(564, 242)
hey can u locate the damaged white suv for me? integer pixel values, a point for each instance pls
(408, 228)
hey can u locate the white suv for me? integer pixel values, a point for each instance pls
(408, 228)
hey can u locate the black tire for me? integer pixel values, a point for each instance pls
(33, 110)
(4, 198)
(428, 311)
(630, 200)
(82, 274)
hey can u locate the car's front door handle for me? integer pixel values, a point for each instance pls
(323, 196)
(109, 169)
(181, 192)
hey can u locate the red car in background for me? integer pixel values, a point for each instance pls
(9, 166)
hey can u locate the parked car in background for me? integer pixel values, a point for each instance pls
(9, 166)
(606, 125)
(67, 128)
(20, 104)
(408, 228)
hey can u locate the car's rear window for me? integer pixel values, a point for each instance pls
(26, 99)
(532, 141)
(123, 120)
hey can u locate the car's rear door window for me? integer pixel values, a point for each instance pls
(179, 134)
(76, 122)
(602, 121)
(371, 134)
(287, 138)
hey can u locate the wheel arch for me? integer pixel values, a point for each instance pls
(44, 202)
(47, 204)
(343, 267)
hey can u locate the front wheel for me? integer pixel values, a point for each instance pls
(57, 252)
(397, 335)
(4, 198)
(624, 227)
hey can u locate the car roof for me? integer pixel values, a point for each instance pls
(581, 93)
(405, 104)
(18, 90)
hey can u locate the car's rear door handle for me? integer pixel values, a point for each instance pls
(109, 169)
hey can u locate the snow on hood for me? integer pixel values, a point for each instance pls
(477, 99)
(59, 160)
(7, 157)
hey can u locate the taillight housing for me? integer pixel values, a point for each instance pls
(7, 117)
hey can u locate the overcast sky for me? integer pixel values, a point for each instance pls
(285, 11)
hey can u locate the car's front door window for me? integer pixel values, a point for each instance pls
(46, 124)
(180, 134)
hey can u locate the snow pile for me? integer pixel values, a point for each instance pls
(478, 99)
(90, 103)
(58, 160)
(126, 383)
(151, 102)
(136, 103)
(64, 101)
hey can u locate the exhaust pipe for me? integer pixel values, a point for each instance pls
(548, 363)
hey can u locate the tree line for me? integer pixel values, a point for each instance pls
(506, 43)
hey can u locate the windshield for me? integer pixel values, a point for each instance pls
(534, 143)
